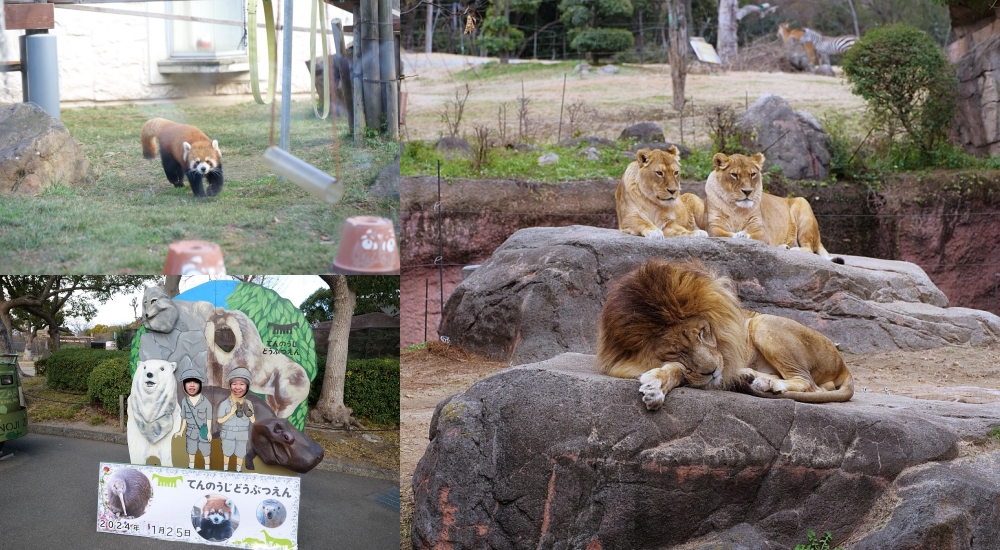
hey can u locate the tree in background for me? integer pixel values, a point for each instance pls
(46, 296)
(330, 407)
(907, 82)
(383, 294)
(582, 17)
(499, 36)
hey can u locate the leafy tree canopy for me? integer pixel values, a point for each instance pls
(374, 293)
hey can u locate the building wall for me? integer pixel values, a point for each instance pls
(106, 57)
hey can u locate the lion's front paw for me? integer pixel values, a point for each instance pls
(741, 235)
(652, 391)
(699, 233)
(761, 384)
(653, 234)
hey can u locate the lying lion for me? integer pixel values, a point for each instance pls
(670, 324)
(737, 206)
(649, 201)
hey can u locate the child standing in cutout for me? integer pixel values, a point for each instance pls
(239, 415)
(196, 418)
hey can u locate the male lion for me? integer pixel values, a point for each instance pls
(649, 201)
(668, 324)
(737, 206)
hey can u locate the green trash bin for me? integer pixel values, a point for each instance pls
(13, 408)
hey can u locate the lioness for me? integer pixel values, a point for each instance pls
(670, 324)
(737, 206)
(649, 201)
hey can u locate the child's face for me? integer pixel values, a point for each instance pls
(238, 386)
(192, 387)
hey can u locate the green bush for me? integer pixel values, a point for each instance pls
(41, 366)
(107, 381)
(371, 388)
(908, 84)
(813, 543)
(601, 42)
(69, 369)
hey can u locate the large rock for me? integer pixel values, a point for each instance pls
(36, 151)
(643, 131)
(552, 455)
(794, 140)
(542, 291)
(977, 120)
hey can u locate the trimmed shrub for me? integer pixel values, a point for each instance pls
(69, 369)
(371, 388)
(907, 81)
(41, 366)
(107, 381)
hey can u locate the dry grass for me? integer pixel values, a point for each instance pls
(648, 96)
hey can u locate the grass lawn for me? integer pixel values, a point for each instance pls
(124, 219)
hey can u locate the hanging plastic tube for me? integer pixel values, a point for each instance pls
(317, 5)
(272, 50)
(303, 174)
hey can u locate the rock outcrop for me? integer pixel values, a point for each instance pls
(553, 455)
(541, 293)
(794, 140)
(36, 151)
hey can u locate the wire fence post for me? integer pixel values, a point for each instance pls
(440, 257)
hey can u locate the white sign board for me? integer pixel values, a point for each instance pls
(705, 51)
(238, 510)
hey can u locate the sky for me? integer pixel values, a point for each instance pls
(118, 311)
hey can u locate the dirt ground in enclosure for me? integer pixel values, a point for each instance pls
(432, 80)
(963, 374)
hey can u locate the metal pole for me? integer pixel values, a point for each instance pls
(42, 72)
(286, 76)
(387, 62)
(427, 285)
(121, 412)
(561, 103)
(440, 257)
(429, 27)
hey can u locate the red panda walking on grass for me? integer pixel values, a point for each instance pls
(184, 150)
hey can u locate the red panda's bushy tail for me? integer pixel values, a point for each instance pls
(149, 131)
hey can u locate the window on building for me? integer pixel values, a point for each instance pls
(190, 39)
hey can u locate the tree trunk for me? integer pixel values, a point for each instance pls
(173, 285)
(677, 19)
(728, 23)
(429, 28)
(330, 407)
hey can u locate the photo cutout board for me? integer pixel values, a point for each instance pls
(196, 506)
(217, 332)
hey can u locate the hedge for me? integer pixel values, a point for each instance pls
(107, 381)
(371, 388)
(69, 369)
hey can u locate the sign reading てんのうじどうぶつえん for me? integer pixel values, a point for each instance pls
(239, 510)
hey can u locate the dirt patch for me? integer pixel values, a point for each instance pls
(432, 80)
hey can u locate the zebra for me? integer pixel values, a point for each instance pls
(825, 46)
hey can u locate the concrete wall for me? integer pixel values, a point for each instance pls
(105, 57)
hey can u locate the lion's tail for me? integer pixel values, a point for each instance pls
(821, 250)
(149, 131)
(843, 393)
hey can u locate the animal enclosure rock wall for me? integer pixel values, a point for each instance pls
(541, 294)
(553, 455)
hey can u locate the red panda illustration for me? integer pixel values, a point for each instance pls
(184, 150)
(216, 521)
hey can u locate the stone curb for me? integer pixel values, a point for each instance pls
(326, 465)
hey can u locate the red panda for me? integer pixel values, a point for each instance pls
(184, 150)
(216, 523)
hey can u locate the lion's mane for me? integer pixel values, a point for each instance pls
(658, 297)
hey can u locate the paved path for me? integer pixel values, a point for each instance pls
(48, 491)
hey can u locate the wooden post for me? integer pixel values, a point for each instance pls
(370, 64)
(356, 78)
(387, 69)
